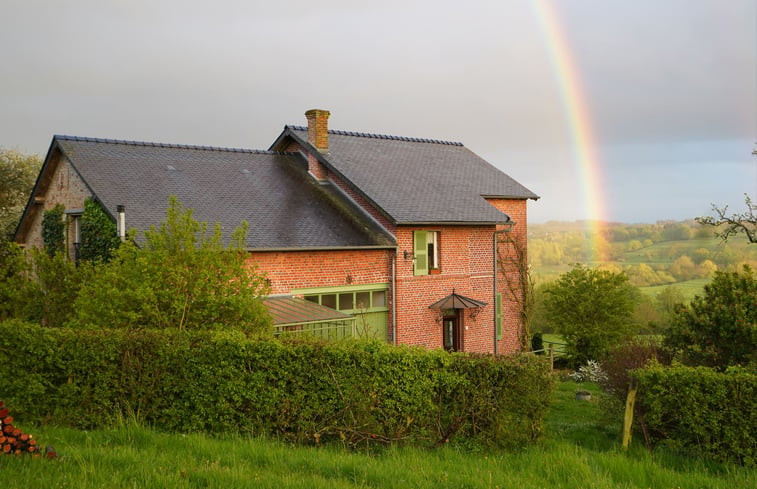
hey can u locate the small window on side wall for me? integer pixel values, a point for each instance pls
(425, 251)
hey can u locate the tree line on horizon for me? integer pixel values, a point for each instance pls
(663, 253)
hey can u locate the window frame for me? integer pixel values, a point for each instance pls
(371, 289)
(426, 251)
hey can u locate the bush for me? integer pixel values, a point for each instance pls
(701, 410)
(37, 286)
(182, 277)
(99, 236)
(53, 228)
(356, 393)
(591, 372)
(621, 360)
(719, 329)
(18, 294)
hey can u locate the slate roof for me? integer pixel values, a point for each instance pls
(417, 181)
(272, 191)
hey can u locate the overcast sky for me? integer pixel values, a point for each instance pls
(670, 85)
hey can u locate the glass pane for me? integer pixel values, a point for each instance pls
(329, 300)
(379, 298)
(363, 300)
(346, 301)
(312, 298)
(449, 334)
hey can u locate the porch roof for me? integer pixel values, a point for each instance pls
(456, 301)
(288, 310)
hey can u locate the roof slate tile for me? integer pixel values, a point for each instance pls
(272, 191)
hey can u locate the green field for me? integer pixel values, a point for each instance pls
(579, 450)
(689, 288)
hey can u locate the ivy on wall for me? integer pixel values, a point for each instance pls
(52, 230)
(99, 236)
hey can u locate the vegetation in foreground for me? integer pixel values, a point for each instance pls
(580, 450)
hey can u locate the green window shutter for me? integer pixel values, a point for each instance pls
(498, 315)
(421, 253)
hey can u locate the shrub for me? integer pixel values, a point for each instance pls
(18, 294)
(359, 394)
(182, 277)
(621, 360)
(99, 236)
(700, 410)
(591, 372)
(37, 286)
(53, 229)
(720, 328)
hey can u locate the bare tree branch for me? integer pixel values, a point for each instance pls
(745, 222)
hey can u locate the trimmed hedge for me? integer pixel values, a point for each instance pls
(700, 410)
(359, 393)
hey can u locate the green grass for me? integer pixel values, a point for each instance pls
(579, 450)
(689, 288)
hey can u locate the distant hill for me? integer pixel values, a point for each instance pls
(684, 254)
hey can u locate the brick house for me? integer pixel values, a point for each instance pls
(402, 234)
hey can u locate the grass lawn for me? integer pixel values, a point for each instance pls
(578, 451)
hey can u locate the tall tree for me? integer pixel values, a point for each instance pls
(592, 309)
(18, 172)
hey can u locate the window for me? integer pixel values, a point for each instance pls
(329, 300)
(346, 301)
(360, 299)
(425, 251)
(74, 233)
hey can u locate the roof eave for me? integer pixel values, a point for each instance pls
(452, 223)
(514, 197)
(323, 248)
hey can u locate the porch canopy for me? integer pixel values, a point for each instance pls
(456, 301)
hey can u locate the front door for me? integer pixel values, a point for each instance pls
(451, 333)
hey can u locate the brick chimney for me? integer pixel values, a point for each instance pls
(318, 129)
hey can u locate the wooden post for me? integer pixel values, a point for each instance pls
(551, 356)
(628, 418)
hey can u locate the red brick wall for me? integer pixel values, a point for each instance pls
(465, 261)
(511, 250)
(289, 270)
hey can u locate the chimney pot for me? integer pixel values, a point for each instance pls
(318, 129)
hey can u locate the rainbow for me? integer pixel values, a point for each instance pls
(580, 124)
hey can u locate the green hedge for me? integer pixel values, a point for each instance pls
(305, 392)
(698, 409)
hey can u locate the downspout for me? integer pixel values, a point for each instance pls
(494, 249)
(394, 297)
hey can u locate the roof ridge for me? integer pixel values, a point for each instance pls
(382, 136)
(163, 145)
